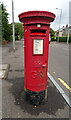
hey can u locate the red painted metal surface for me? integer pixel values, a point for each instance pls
(36, 65)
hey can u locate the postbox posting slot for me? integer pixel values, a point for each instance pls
(35, 31)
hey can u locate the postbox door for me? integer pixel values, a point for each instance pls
(39, 63)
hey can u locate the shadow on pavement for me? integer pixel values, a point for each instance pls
(55, 100)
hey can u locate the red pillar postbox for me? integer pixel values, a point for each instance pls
(36, 47)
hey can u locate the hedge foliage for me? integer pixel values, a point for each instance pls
(61, 39)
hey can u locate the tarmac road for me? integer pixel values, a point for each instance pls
(59, 65)
(14, 104)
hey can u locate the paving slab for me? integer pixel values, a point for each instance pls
(4, 68)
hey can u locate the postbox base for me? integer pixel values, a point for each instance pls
(35, 98)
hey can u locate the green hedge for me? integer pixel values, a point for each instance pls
(69, 39)
(53, 38)
(61, 39)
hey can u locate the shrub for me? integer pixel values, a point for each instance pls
(53, 39)
(70, 39)
(61, 39)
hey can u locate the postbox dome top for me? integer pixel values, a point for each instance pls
(31, 14)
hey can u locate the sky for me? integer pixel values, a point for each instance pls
(70, 13)
(21, 6)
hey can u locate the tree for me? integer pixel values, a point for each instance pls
(52, 33)
(5, 25)
(0, 24)
(18, 31)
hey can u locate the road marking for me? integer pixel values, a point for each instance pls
(60, 90)
(54, 72)
(63, 82)
(67, 86)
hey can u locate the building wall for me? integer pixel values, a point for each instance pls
(63, 31)
(60, 34)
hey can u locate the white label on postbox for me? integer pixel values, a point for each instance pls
(38, 46)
